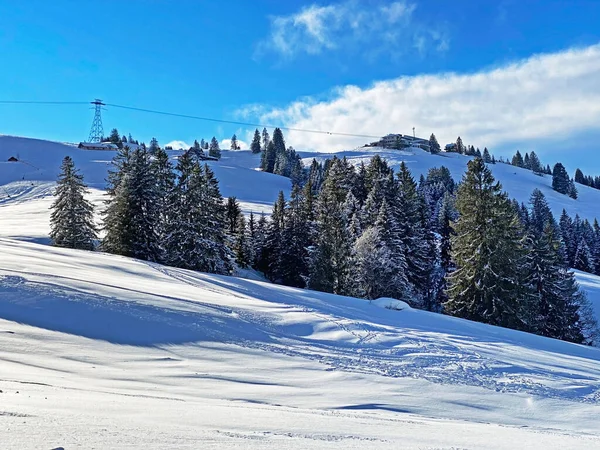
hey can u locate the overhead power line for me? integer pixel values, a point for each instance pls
(26, 102)
(206, 119)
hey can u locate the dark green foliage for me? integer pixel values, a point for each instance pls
(72, 217)
(213, 149)
(517, 160)
(434, 145)
(132, 216)
(486, 156)
(232, 215)
(560, 179)
(234, 143)
(115, 138)
(330, 261)
(255, 145)
(460, 147)
(487, 250)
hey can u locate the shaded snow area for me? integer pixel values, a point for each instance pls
(102, 351)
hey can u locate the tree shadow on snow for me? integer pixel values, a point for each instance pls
(117, 321)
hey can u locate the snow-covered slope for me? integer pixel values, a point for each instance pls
(103, 351)
(39, 162)
(518, 182)
(100, 351)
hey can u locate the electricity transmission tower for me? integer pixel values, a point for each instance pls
(97, 131)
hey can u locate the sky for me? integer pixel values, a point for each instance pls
(505, 74)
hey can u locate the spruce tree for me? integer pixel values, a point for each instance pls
(434, 146)
(164, 177)
(234, 143)
(572, 190)
(486, 156)
(115, 138)
(487, 285)
(72, 217)
(255, 145)
(214, 150)
(560, 179)
(154, 147)
(265, 139)
(295, 240)
(241, 248)
(232, 215)
(517, 160)
(132, 216)
(417, 242)
(534, 163)
(460, 147)
(330, 260)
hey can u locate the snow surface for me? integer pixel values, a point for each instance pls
(102, 351)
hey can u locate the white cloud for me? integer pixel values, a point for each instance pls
(225, 144)
(354, 27)
(177, 145)
(545, 97)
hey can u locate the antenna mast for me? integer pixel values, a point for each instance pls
(97, 131)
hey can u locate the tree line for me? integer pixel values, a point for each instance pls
(466, 250)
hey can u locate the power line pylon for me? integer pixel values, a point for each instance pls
(97, 131)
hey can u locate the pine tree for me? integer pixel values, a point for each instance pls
(72, 218)
(273, 244)
(487, 249)
(579, 178)
(265, 139)
(417, 242)
(269, 158)
(555, 304)
(434, 146)
(330, 260)
(154, 147)
(486, 156)
(295, 240)
(572, 190)
(234, 143)
(534, 163)
(583, 259)
(132, 215)
(460, 147)
(255, 145)
(560, 179)
(517, 160)
(232, 215)
(241, 248)
(164, 177)
(115, 138)
(214, 150)
(526, 162)
(568, 237)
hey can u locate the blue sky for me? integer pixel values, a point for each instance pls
(308, 64)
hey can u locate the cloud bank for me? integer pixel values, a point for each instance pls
(545, 97)
(369, 29)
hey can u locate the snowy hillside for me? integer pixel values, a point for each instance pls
(102, 351)
(171, 359)
(39, 161)
(518, 182)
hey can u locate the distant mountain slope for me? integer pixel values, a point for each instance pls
(518, 182)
